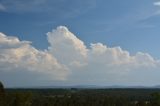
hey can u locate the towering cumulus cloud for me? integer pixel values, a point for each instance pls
(66, 47)
(99, 63)
(69, 60)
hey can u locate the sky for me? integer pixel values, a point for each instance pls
(79, 42)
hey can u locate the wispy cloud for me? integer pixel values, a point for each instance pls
(58, 7)
(156, 3)
(2, 7)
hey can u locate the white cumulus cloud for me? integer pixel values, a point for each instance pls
(66, 47)
(68, 59)
(20, 57)
(102, 63)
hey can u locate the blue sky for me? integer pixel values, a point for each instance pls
(129, 24)
(132, 25)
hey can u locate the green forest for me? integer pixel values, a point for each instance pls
(79, 97)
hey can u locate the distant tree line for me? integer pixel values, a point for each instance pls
(75, 97)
